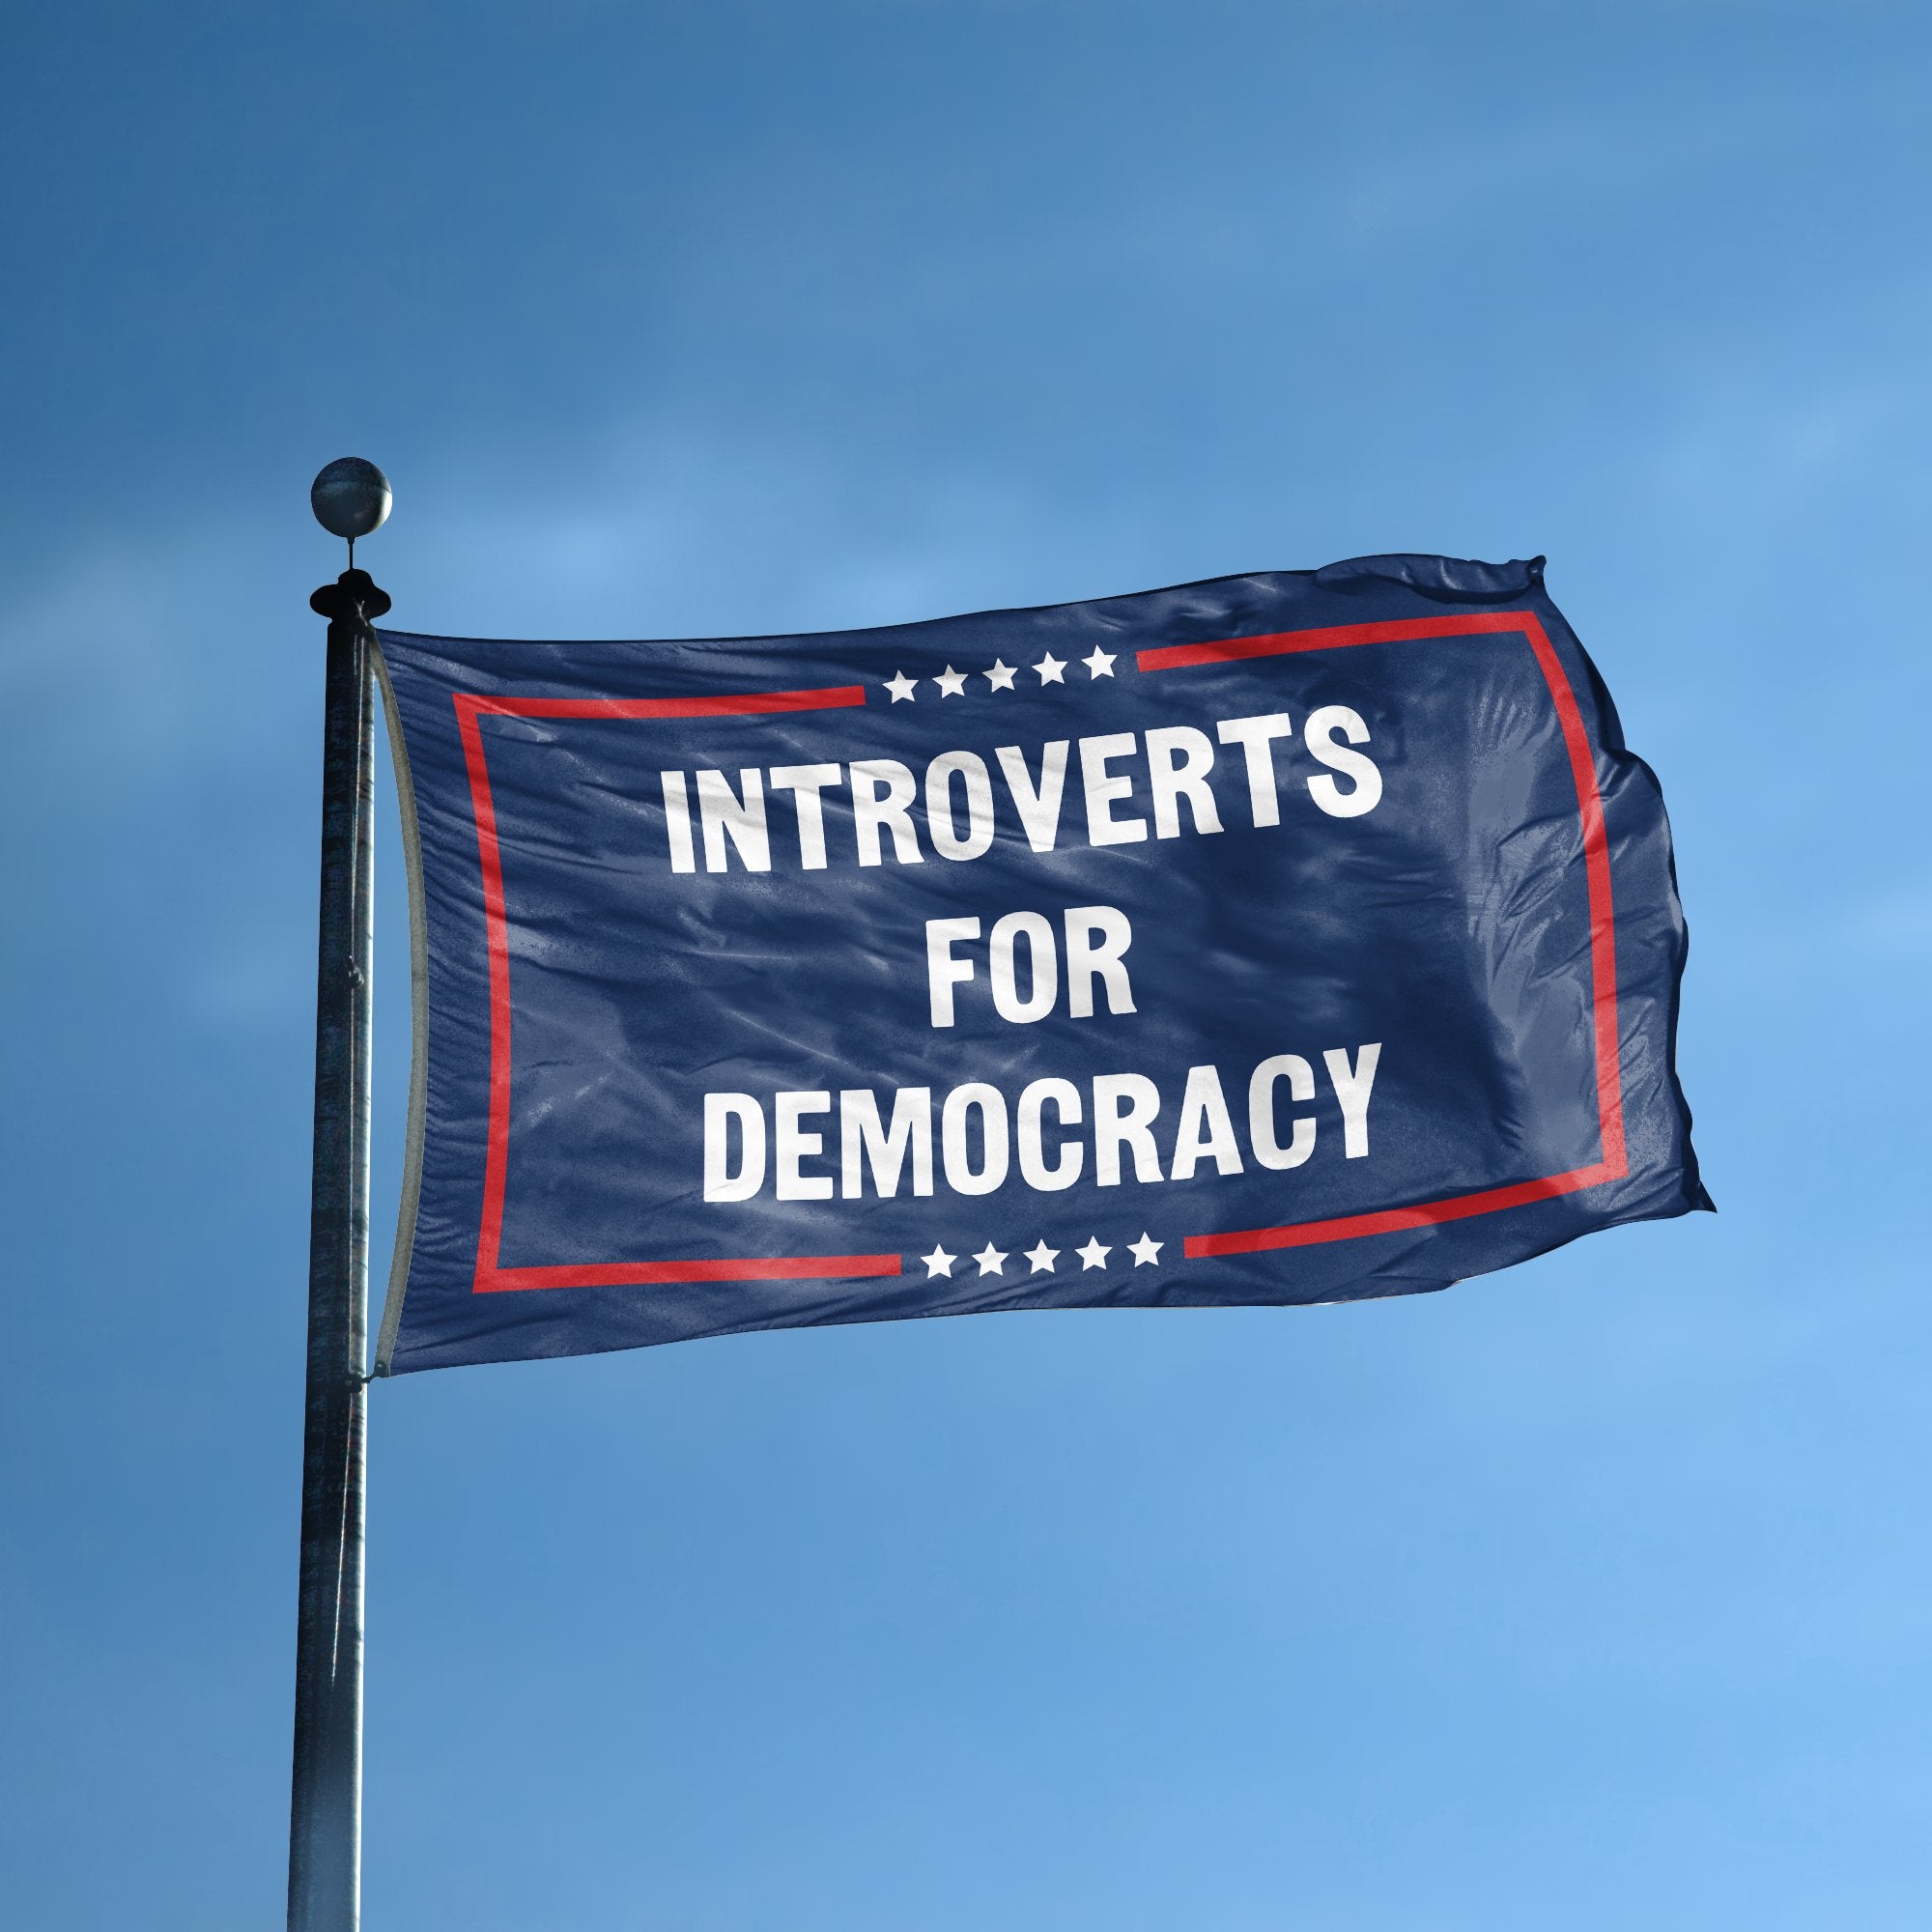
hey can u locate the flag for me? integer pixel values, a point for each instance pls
(1299, 937)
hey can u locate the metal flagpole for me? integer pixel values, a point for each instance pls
(351, 498)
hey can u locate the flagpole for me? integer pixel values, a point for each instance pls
(351, 499)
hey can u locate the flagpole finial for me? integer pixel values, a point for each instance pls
(349, 497)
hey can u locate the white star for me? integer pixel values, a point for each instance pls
(1001, 676)
(951, 683)
(1092, 1255)
(1042, 1257)
(902, 687)
(938, 1261)
(1099, 664)
(991, 1260)
(1049, 668)
(1145, 1250)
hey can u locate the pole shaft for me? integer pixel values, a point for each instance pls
(326, 1816)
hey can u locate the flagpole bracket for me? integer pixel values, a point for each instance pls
(354, 597)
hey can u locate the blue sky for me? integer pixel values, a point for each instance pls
(1591, 1595)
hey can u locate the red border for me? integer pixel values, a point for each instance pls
(470, 707)
(1616, 1163)
(491, 1278)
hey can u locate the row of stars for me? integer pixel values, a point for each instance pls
(951, 683)
(992, 1261)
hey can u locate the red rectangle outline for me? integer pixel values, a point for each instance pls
(1616, 1163)
(490, 1278)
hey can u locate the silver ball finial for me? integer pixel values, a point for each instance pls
(349, 497)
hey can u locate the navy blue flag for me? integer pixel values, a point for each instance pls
(1299, 937)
